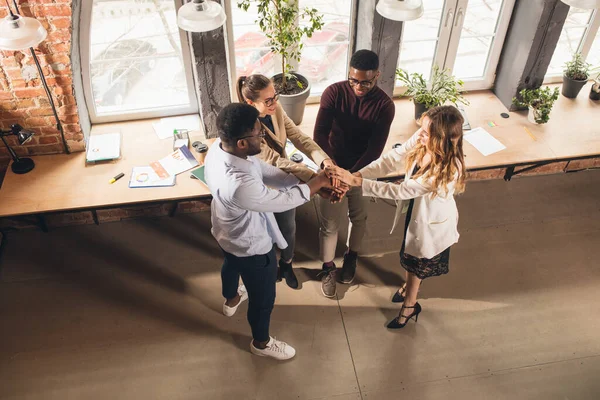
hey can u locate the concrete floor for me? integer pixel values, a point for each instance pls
(131, 310)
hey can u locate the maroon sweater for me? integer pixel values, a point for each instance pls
(353, 130)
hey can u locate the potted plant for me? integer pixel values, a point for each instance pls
(539, 101)
(280, 20)
(575, 76)
(442, 88)
(595, 90)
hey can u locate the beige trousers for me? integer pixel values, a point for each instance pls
(332, 215)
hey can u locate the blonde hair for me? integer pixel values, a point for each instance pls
(446, 148)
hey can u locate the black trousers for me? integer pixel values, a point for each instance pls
(259, 274)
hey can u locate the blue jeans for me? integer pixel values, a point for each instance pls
(287, 225)
(259, 274)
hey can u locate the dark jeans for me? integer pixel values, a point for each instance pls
(287, 225)
(259, 274)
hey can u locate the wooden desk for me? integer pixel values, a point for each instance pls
(573, 131)
(66, 183)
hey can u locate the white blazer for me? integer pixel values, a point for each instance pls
(434, 220)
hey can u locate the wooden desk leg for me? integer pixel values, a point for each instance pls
(42, 222)
(173, 209)
(95, 217)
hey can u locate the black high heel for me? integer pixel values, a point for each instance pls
(399, 295)
(395, 323)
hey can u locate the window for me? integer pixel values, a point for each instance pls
(325, 55)
(135, 60)
(465, 36)
(578, 34)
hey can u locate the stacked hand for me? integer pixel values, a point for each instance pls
(344, 177)
(336, 190)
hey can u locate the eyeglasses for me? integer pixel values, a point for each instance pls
(364, 84)
(271, 100)
(261, 135)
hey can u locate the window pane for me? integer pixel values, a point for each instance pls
(570, 39)
(420, 38)
(252, 55)
(325, 55)
(135, 57)
(594, 54)
(472, 57)
(476, 38)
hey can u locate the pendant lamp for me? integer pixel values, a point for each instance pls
(201, 16)
(400, 10)
(19, 33)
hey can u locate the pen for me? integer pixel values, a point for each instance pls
(529, 133)
(116, 178)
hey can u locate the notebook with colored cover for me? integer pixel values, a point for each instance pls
(175, 163)
(198, 173)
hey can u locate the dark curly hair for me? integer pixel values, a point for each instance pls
(365, 60)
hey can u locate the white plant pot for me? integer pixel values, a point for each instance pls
(533, 113)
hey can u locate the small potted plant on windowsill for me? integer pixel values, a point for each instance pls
(575, 76)
(595, 90)
(539, 101)
(280, 20)
(441, 89)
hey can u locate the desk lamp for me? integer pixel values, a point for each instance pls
(19, 165)
(20, 33)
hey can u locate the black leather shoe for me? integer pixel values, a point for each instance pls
(288, 273)
(348, 269)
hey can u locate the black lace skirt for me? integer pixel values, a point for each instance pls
(423, 267)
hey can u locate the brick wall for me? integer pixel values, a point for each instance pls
(22, 96)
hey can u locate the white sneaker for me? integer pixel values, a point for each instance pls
(276, 349)
(229, 311)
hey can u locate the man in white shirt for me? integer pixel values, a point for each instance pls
(243, 222)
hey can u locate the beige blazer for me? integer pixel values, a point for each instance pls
(434, 220)
(273, 146)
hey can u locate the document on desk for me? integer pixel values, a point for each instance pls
(483, 141)
(142, 177)
(175, 163)
(103, 147)
(165, 127)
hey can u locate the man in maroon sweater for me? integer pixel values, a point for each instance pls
(352, 127)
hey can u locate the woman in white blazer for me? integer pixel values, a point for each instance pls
(435, 171)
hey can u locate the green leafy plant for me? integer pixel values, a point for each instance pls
(540, 99)
(280, 20)
(577, 69)
(441, 89)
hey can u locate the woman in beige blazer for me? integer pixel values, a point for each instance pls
(258, 91)
(434, 164)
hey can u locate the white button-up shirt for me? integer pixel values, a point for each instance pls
(242, 208)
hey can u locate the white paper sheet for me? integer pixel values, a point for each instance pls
(483, 141)
(165, 127)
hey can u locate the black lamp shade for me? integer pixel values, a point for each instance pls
(24, 136)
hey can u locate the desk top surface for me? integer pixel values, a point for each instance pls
(64, 182)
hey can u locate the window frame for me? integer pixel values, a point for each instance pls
(585, 44)
(312, 99)
(449, 34)
(95, 117)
